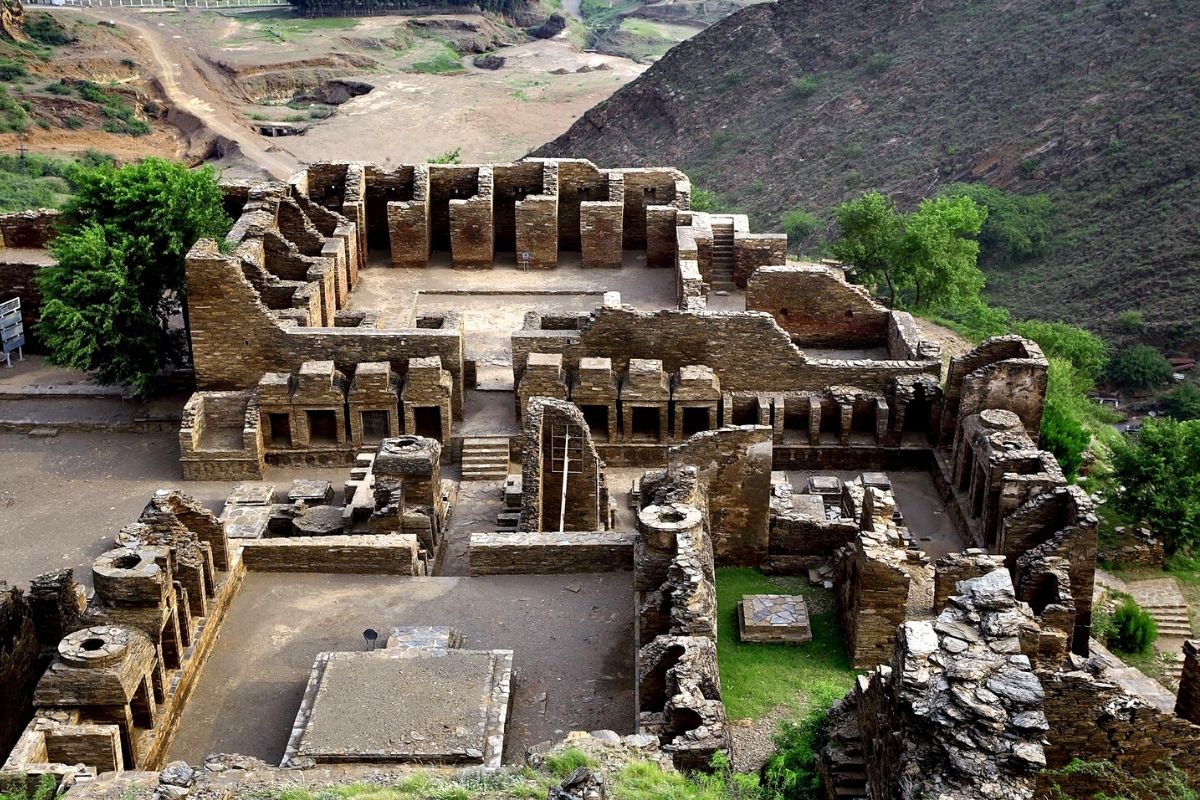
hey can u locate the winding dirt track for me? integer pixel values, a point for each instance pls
(181, 73)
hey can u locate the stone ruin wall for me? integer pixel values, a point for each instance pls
(236, 340)
(720, 340)
(733, 475)
(679, 687)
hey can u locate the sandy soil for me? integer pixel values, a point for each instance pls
(410, 116)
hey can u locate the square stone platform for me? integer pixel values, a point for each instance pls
(433, 706)
(245, 522)
(774, 618)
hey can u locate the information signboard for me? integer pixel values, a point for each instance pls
(12, 332)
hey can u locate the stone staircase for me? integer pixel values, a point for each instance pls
(1165, 603)
(722, 256)
(849, 774)
(485, 458)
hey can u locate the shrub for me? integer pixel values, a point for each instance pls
(91, 92)
(45, 29)
(1131, 321)
(59, 88)
(1183, 402)
(1140, 367)
(1017, 228)
(804, 85)
(798, 224)
(879, 63)
(1134, 630)
(790, 773)
(1086, 351)
(449, 157)
(1064, 436)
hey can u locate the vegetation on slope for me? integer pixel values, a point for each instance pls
(1095, 105)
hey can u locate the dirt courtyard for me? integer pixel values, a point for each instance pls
(571, 637)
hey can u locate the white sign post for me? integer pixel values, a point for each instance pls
(12, 332)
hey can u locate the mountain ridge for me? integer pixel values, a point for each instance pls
(803, 104)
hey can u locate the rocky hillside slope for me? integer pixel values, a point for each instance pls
(803, 103)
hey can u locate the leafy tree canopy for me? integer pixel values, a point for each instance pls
(927, 259)
(1183, 402)
(1086, 351)
(1018, 227)
(1140, 367)
(108, 302)
(1160, 472)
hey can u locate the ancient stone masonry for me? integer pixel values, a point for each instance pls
(818, 308)
(220, 438)
(958, 713)
(113, 695)
(1005, 373)
(733, 474)
(564, 487)
(453, 703)
(873, 575)
(21, 663)
(679, 692)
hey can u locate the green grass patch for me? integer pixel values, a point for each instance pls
(755, 677)
(444, 61)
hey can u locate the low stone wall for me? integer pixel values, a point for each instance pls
(31, 229)
(551, 553)
(21, 664)
(1133, 546)
(390, 554)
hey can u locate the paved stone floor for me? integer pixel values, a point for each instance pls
(571, 637)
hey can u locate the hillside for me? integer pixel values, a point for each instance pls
(801, 104)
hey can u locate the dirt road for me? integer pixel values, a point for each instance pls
(182, 72)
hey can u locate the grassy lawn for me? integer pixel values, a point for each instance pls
(757, 677)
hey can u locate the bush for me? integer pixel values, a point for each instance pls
(1086, 351)
(1140, 367)
(1134, 630)
(1131, 321)
(798, 224)
(59, 88)
(1183, 402)
(449, 157)
(1064, 436)
(1017, 228)
(45, 29)
(790, 773)
(11, 70)
(804, 85)
(704, 200)
(879, 63)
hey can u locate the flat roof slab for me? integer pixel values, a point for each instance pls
(402, 705)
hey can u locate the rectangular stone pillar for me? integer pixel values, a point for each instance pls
(601, 232)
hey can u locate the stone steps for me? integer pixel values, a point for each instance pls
(485, 459)
(722, 257)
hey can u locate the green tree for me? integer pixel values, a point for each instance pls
(1140, 367)
(1064, 436)
(108, 302)
(1183, 402)
(704, 200)
(927, 258)
(798, 224)
(1159, 471)
(1018, 227)
(1086, 351)
(940, 252)
(449, 157)
(871, 230)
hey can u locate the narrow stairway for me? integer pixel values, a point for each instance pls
(849, 773)
(722, 256)
(485, 459)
